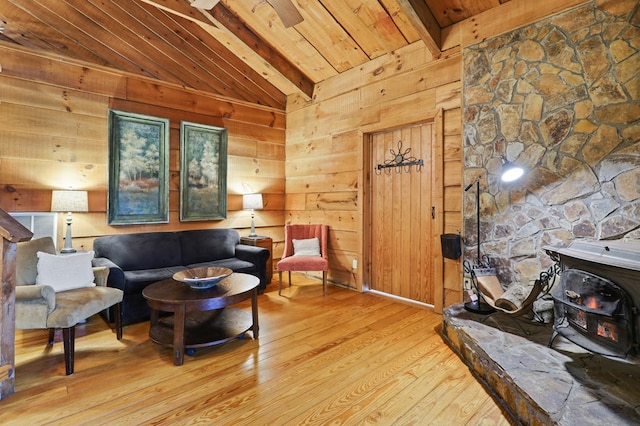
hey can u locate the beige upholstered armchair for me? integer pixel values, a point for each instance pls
(40, 305)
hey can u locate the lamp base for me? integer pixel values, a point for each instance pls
(68, 250)
(478, 307)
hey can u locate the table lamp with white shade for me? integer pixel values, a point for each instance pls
(69, 201)
(252, 202)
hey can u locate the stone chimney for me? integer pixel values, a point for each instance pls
(560, 97)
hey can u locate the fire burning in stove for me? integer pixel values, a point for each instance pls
(592, 303)
(591, 307)
(608, 330)
(605, 329)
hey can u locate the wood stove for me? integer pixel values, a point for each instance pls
(597, 298)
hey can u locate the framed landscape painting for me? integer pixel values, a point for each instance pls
(203, 172)
(138, 169)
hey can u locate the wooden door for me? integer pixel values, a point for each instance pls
(401, 207)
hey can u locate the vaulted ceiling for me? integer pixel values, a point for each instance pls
(239, 49)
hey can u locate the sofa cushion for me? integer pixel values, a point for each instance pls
(147, 250)
(303, 263)
(202, 245)
(65, 272)
(76, 305)
(236, 265)
(306, 247)
(139, 279)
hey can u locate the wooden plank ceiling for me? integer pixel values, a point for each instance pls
(239, 49)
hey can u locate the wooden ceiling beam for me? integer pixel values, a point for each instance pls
(220, 19)
(209, 56)
(425, 23)
(224, 16)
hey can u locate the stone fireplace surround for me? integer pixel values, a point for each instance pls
(537, 385)
(560, 97)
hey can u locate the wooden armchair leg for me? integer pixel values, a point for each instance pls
(118, 314)
(52, 335)
(289, 278)
(68, 339)
(280, 285)
(324, 282)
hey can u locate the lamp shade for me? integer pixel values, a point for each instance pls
(69, 201)
(511, 172)
(252, 201)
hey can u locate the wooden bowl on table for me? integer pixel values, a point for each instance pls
(202, 278)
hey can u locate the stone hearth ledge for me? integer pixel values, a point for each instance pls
(563, 385)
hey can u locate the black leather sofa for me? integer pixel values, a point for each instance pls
(137, 260)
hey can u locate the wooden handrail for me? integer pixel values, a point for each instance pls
(11, 232)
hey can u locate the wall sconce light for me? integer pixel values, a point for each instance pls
(510, 171)
(69, 201)
(252, 202)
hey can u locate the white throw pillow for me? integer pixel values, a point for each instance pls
(309, 247)
(65, 272)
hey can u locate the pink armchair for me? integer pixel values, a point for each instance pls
(304, 260)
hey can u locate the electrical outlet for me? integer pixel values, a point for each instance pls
(354, 264)
(466, 283)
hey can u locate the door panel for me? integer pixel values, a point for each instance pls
(401, 201)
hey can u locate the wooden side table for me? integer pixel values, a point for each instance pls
(264, 242)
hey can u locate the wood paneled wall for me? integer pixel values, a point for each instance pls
(324, 172)
(53, 135)
(324, 169)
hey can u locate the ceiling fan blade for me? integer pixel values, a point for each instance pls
(287, 12)
(204, 4)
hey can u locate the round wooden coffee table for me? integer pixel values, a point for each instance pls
(201, 317)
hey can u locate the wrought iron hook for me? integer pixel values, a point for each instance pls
(399, 160)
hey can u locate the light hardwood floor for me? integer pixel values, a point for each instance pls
(347, 358)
